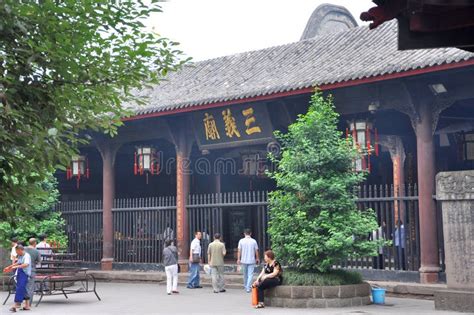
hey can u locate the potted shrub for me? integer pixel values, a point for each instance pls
(314, 221)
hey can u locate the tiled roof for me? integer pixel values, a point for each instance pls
(350, 55)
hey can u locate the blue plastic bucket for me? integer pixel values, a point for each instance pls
(378, 295)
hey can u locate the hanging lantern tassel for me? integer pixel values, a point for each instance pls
(354, 134)
(140, 164)
(78, 180)
(87, 168)
(369, 166)
(68, 173)
(376, 142)
(135, 165)
(367, 138)
(157, 171)
(146, 178)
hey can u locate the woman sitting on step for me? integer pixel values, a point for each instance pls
(271, 276)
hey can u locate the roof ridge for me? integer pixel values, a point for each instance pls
(313, 39)
(349, 55)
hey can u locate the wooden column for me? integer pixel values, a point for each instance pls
(183, 150)
(394, 144)
(108, 152)
(426, 189)
(399, 184)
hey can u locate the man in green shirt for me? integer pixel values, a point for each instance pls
(215, 254)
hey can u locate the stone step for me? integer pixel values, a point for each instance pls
(134, 276)
(233, 281)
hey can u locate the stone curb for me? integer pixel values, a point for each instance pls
(417, 289)
(318, 296)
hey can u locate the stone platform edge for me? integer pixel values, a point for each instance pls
(319, 296)
(454, 300)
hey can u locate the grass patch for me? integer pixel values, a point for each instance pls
(314, 278)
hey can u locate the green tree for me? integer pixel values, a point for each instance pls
(37, 220)
(314, 221)
(67, 66)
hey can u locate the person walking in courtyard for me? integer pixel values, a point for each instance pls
(215, 254)
(35, 261)
(22, 268)
(247, 257)
(170, 260)
(195, 262)
(271, 276)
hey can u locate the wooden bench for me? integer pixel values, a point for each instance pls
(59, 277)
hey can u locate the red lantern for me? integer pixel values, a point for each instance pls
(365, 139)
(146, 162)
(79, 168)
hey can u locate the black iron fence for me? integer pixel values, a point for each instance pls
(83, 228)
(397, 216)
(142, 225)
(229, 214)
(140, 228)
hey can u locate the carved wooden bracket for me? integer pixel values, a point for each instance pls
(412, 108)
(394, 144)
(182, 135)
(439, 105)
(107, 149)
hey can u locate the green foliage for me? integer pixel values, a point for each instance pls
(66, 67)
(314, 222)
(315, 278)
(40, 219)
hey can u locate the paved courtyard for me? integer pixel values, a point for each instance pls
(137, 298)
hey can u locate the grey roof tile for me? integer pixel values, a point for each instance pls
(354, 54)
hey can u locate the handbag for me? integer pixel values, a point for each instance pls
(254, 295)
(196, 258)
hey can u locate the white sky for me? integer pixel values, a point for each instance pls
(212, 28)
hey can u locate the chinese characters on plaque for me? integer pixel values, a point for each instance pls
(233, 125)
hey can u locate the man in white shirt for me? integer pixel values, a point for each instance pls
(247, 257)
(44, 248)
(195, 262)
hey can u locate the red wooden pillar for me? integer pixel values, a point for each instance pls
(108, 152)
(426, 189)
(183, 150)
(397, 154)
(398, 160)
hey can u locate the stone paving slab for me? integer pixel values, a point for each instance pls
(150, 298)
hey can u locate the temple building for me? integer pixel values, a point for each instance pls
(194, 156)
